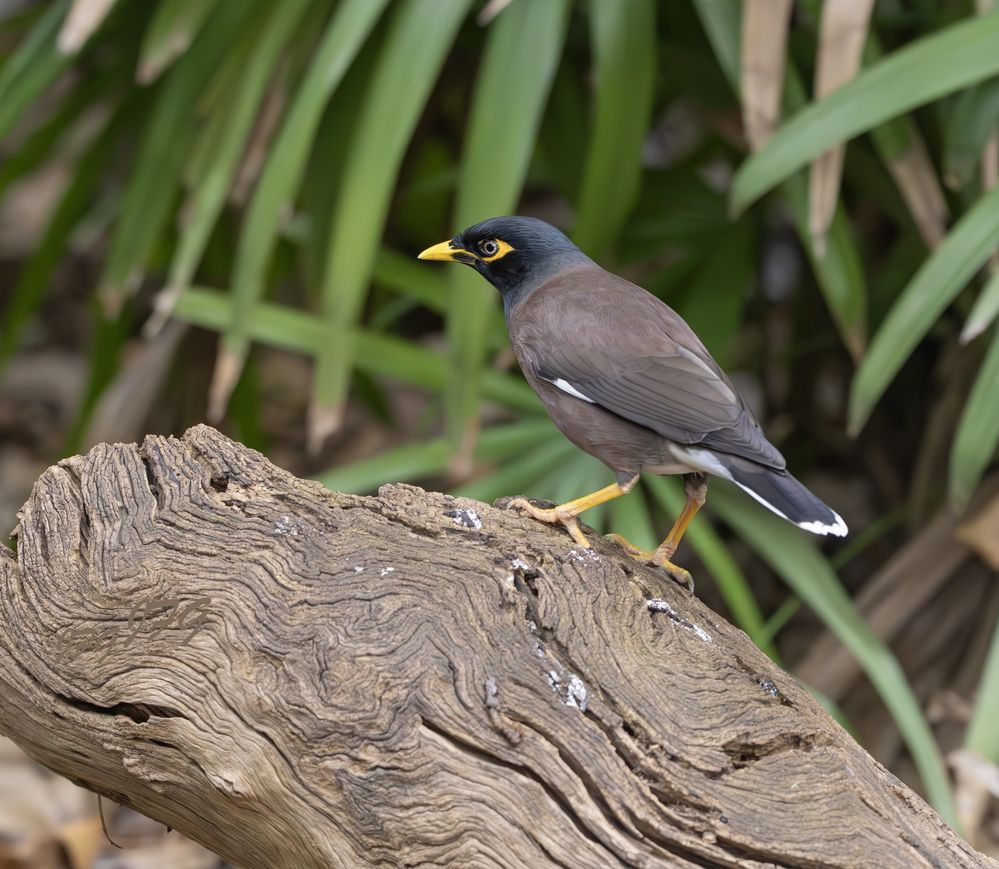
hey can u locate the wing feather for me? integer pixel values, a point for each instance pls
(636, 357)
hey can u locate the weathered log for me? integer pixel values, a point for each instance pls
(300, 678)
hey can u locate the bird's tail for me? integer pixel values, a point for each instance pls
(781, 493)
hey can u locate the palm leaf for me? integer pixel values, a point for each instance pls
(174, 25)
(960, 55)
(40, 143)
(288, 329)
(222, 142)
(900, 145)
(983, 735)
(521, 55)
(280, 180)
(152, 186)
(623, 37)
(984, 311)
(35, 277)
(419, 37)
(978, 429)
(931, 290)
(838, 268)
(32, 67)
(423, 461)
(971, 121)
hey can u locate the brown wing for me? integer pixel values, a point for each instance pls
(616, 345)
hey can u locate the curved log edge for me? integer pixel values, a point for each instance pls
(295, 677)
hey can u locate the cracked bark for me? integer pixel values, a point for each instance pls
(300, 678)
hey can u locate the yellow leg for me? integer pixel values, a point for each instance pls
(565, 514)
(687, 514)
(695, 488)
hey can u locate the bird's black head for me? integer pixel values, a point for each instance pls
(515, 254)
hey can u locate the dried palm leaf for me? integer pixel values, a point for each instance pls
(764, 38)
(917, 181)
(843, 31)
(81, 22)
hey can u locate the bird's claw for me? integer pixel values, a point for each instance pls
(635, 552)
(679, 574)
(552, 516)
(542, 514)
(659, 557)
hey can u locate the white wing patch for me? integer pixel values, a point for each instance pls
(567, 387)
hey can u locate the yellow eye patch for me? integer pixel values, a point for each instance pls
(504, 249)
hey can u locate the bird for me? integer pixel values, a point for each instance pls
(626, 380)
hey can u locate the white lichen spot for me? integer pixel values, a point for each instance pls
(492, 693)
(570, 689)
(583, 555)
(519, 564)
(576, 693)
(386, 571)
(658, 605)
(287, 525)
(466, 518)
(358, 568)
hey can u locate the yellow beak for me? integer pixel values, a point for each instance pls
(444, 251)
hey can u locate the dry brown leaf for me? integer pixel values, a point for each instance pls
(982, 533)
(976, 781)
(843, 31)
(146, 844)
(83, 839)
(917, 181)
(124, 405)
(764, 38)
(225, 376)
(887, 602)
(81, 22)
(36, 808)
(990, 162)
(490, 11)
(325, 421)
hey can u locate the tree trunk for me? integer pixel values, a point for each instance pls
(300, 678)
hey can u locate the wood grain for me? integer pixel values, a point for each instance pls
(300, 678)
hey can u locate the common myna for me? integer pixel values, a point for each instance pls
(625, 379)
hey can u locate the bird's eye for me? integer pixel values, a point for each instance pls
(489, 247)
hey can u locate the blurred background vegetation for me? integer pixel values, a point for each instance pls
(211, 210)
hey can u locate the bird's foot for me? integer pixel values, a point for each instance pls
(552, 516)
(659, 557)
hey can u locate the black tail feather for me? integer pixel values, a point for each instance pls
(784, 495)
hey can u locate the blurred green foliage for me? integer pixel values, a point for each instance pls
(290, 158)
